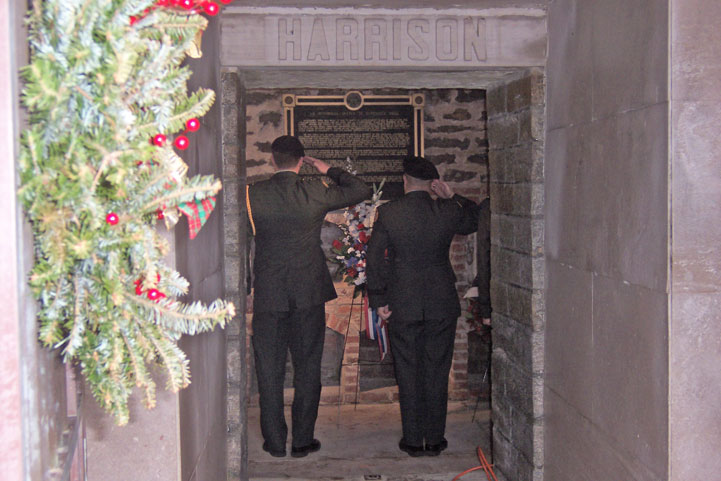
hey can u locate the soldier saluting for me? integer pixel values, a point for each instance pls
(412, 284)
(291, 286)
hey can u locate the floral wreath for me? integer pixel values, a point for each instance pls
(349, 250)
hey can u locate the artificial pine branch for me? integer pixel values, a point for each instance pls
(98, 89)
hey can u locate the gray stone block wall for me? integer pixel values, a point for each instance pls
(515, 139)
(233, 179)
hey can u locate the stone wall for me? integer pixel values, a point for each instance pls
(455, 140)
(606, 372)
(695, 331)
(516, 133)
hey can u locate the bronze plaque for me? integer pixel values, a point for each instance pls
(370, 135)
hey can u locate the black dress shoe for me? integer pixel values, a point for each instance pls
(435, 449)
(305, 450)
(414, 451)
(273, 452)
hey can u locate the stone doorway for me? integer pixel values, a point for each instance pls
(515, 104)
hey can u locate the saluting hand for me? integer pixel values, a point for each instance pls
(441, 189)
(317, 164)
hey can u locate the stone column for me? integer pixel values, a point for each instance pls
(233, 192)
(516, 132)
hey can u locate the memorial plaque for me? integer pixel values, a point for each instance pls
(370, 135)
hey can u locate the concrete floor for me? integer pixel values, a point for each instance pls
(360, 443)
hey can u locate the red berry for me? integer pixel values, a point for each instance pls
(226, 1)
(153, 294)
(159, 140)
(192, 124)
(182, 142)
(112, 218)
(133, 19)
(211, 8)
(138, 289)
(187, 4)
(160, 214)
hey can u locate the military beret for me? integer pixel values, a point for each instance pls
(420, 168)
(287, 144)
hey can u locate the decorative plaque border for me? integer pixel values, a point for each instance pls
(376, 140)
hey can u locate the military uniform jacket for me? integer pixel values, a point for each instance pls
(408, 264)
(286, 214)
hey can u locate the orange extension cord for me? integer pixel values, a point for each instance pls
(485, 466)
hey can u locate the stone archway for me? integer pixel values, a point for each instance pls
(515, 126)
(515, 97)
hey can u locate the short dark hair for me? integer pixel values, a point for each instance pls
(287, 150)
(284, 160)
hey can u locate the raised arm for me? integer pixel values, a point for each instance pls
(349, 189)
(467, 210)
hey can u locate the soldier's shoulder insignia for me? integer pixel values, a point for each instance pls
(314, 181)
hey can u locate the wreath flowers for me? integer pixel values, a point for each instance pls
(350, 249)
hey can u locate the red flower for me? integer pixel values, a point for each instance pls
(358, 247)
(337, 244)
(363, 237)
(352, 272)
(112, 218)
(361, 226)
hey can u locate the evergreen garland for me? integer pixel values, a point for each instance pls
(106, 90)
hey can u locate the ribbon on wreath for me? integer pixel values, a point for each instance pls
(197, 213)
(375, 327)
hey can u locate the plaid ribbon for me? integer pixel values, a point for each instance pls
(198, 213)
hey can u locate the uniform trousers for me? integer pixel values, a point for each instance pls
(303, 332)
(422, 355)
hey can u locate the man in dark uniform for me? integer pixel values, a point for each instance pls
(411, 283)
(291, 286)
(483, 263)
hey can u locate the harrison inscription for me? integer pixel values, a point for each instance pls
(428, 38)
(398, 39)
